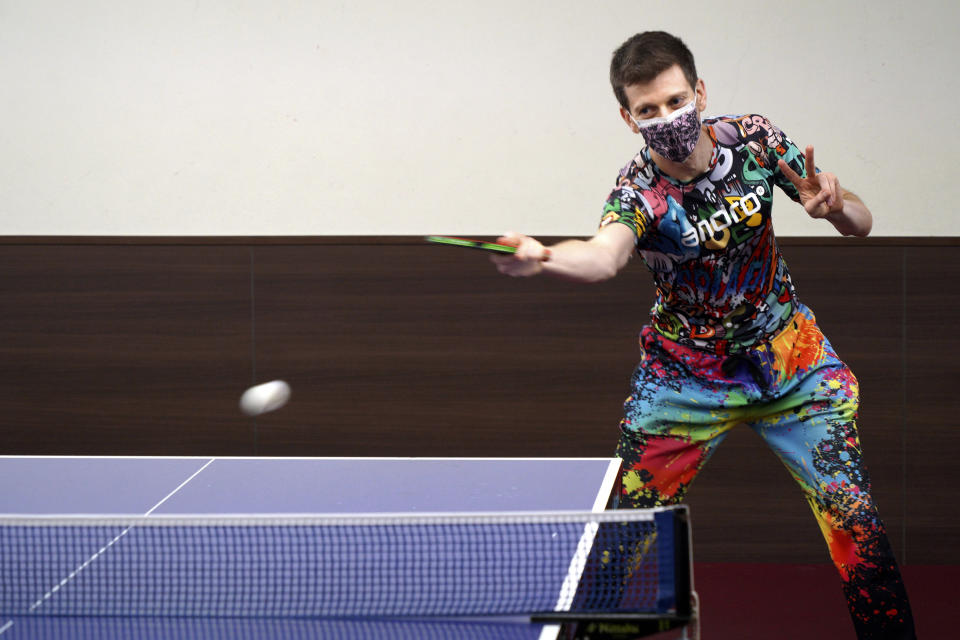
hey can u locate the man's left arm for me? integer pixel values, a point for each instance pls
(822, 197)
(853, 218)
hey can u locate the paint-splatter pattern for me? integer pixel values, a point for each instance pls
(802, 399)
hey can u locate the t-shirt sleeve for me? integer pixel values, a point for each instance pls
(770, 144)
(627, 206)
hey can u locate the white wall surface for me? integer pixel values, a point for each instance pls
(470, 117)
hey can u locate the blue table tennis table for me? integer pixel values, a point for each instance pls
(156, 487)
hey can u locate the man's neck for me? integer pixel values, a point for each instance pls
(693, 166)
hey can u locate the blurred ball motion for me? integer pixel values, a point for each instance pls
(265, 397)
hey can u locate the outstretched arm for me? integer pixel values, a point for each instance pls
(593, 260)
(822, 197)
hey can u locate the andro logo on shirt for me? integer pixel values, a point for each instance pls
(744, 208)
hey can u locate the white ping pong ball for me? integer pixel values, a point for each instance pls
(265, 397)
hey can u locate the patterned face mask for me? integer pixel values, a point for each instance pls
(674, 136)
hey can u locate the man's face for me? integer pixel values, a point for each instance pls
(661, 96)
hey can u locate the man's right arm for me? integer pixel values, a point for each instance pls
(593, 260)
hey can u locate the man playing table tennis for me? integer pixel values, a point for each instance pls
(728, 341)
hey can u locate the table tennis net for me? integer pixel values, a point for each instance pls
(325, 566)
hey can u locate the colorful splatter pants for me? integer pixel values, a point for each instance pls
(795, 393)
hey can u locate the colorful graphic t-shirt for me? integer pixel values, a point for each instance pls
(722, 284)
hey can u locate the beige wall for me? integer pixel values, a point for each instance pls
(287, 117)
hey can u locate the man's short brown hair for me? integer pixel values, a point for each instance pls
(645, 56)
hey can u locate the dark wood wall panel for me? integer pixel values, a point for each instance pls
(124, 350)
(402, 351)
(931, 432)
(394, 348)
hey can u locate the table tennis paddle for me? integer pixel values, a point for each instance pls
(479, 244)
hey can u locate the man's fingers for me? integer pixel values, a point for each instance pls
(837, 192)
(808, 161)
(512, 266)
(816, 206)
(510, 238)
(826, 186)
(531, 249)
(528, 258)
(831, 184)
